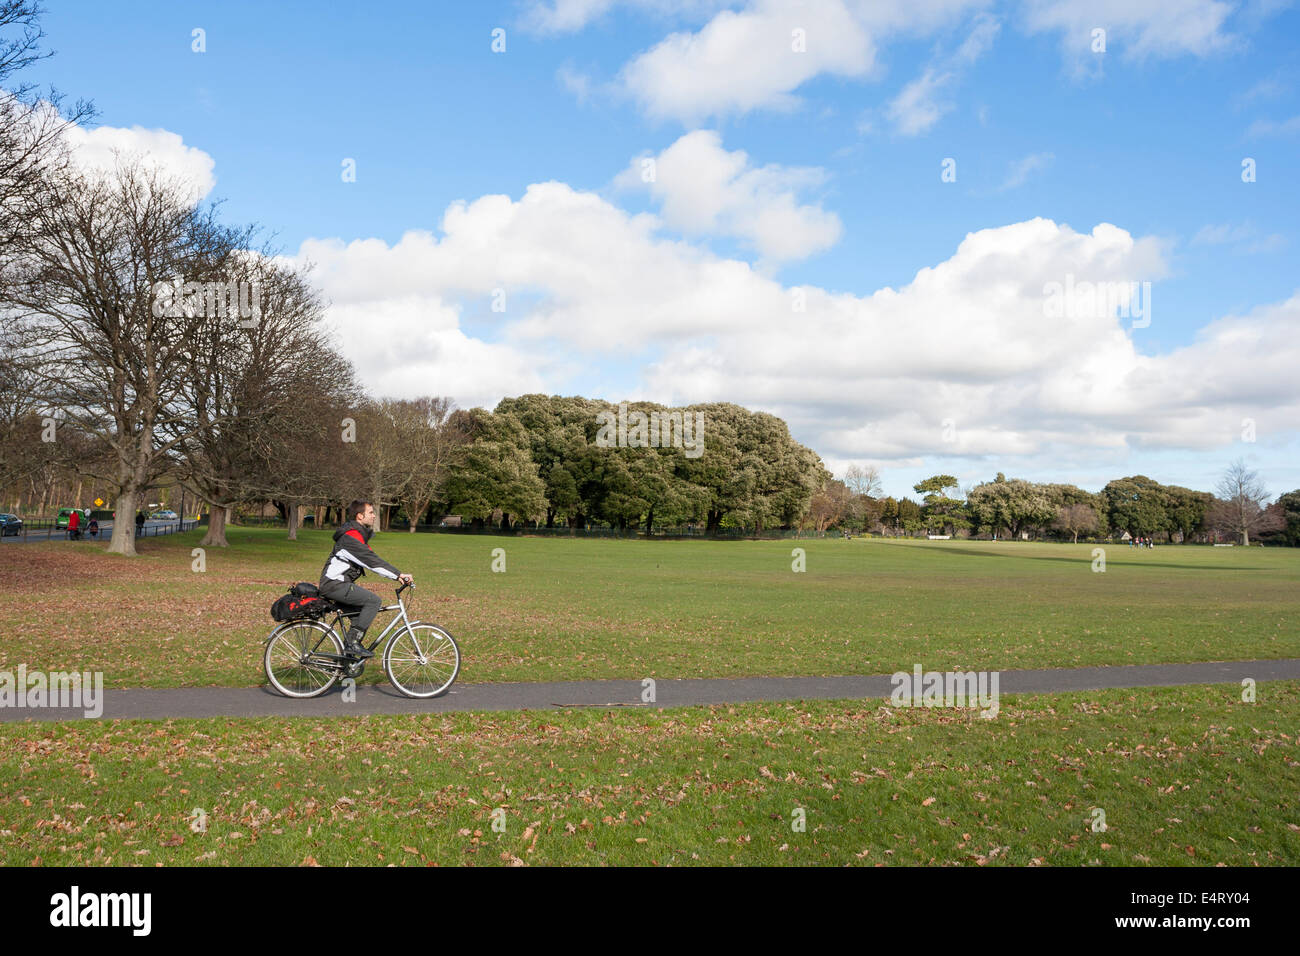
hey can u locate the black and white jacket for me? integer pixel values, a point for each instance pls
(352, 556)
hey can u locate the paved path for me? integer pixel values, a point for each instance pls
(602, 694)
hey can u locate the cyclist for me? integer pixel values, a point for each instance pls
(350, 559)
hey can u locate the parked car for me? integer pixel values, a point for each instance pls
(62, 520)
(163, 516)
(10, 524)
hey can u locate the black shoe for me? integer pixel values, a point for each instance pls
(353, 647)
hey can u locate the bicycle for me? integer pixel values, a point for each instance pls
(304, 658)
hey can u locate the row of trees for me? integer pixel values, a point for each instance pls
(1137, 506)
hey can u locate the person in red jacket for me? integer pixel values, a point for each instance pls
(74, 524)
(351, 558)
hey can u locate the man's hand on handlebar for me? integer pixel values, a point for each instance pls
(406, 579)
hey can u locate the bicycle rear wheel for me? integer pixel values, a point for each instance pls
(422, 660)
(292, 660)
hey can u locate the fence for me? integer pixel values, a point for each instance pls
(45, 529)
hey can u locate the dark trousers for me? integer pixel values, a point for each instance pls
(356, 602)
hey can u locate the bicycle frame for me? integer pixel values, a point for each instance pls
(401, 619)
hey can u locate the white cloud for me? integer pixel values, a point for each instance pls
(757, 56)
(705, 190)
(921, 103)
(859, 376)
(1243, 237)
(412, 345)
(1139, 28)
(99, 148)
(979, 40)
(566, 16)
(1287, 127)
(562, 16)
(916, 108)
(743, 58)
(748, 60)
(1266, 89)
(1022, 169)
(577, 83)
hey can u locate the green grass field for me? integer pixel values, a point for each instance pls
(1184, 776)
(574, 608)
(1189, 775)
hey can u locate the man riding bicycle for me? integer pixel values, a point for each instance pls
(350, 559)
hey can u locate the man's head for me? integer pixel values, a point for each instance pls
(362, 512)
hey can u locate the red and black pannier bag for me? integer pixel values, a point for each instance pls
(302, 601)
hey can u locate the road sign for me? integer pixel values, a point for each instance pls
(99, 502)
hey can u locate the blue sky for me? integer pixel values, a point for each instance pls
(1148, 136)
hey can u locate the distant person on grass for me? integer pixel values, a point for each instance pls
(350, 559)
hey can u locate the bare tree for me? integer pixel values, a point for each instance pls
(313, 459)
(864, 487)
(84, 322)
(429, 448)
(1240, 508)
(32, 149)
(863, 481)
(1072, 519)
(32, 144)
(252, 379)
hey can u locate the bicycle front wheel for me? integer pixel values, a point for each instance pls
(293, 663)
(422, 660)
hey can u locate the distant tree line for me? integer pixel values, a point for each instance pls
(1137, 506)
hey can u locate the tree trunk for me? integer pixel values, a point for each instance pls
(123, 540)
(293, 511)
(216, 536)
